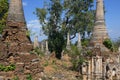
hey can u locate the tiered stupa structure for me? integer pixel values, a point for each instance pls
(99, 32)
(15, 36)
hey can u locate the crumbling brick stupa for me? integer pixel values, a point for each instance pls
(14, 37)
(15, 46)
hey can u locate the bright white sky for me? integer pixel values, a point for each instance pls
(112, 17)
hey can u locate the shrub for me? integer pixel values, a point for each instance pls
(77, 59)
(85, 42)
(108, 44)
(29, 77)
(56, 42)
(38, 52)
(10, 67)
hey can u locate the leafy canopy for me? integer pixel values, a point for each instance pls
(58, 17)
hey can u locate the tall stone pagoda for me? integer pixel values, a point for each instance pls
(99, 32)
(15, 36)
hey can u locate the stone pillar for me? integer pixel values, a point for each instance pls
(42, 47)
(79, 42)
(98, 67)
(104, 70)
(101, 65)
(62, 54)
(68, 42)
(84, 71)
(93, 67)
(119, 49)
(89, 70)
(36, 43)
(46, 47)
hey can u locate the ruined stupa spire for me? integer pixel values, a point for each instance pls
(79, 42)
(15, 33)
(99, 31)
(68, 41)
(16, 14)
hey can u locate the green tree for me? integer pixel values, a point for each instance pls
(79, 17)
(3, 13)
(63, 16)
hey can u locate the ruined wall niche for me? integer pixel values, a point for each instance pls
(112, 72)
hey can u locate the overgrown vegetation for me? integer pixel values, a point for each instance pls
(85, 42)
(76, 57)
(10, 67)
(108, 44)
(37, 51)
(3, 13)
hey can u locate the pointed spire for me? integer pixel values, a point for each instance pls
(99, 31)
(47, 50)
(16, 14)
(68, 41)
(36, 43)
(100, 11)
(42, 47)
(79, 42)
(119, 49)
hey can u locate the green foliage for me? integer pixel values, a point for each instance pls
(29, 77)
(89, 53)
(79, 17)
(74, 50)
(77, 59)
(10, 67)
(3, 13)
(77, 62)
(41, 13)
(85, 42)
(116, 44)
(63, 16)
(108, 44)
(56, 43)
(28, 33)
(38, 52)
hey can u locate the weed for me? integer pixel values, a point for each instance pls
(29, 77)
